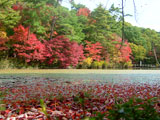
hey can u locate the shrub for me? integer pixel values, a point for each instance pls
(105, 65)
(3, 47)
(111, 65)
(135, 109)
(86, 63)
(128, 64)
(15, 63)
(6, 64)
(2, 104)
(21, 64)
(97, 64)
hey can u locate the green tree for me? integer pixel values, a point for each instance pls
(98, 28)
(133, 34)
(8, 16)
(116, 20)
(75, 6)
(70, 25)
(138, 52)
(136, 35)
(101, 28)
(37, 15)
(154, 39)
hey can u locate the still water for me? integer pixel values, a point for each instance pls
(120, 76)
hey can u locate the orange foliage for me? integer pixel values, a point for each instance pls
(84, 12)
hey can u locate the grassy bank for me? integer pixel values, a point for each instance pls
(77, 71)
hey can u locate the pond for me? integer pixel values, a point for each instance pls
(86, 76)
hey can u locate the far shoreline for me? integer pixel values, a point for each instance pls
(79, 71)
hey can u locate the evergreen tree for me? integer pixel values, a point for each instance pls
(8, 16)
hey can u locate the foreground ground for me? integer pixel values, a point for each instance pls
(39, 98)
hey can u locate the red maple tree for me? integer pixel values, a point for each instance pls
(83, 11)
(27, 46)
(125, 50)
(61, 50)
(93, 50)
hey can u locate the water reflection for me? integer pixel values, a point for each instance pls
(100, 78)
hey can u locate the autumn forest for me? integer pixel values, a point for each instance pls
(44, 34)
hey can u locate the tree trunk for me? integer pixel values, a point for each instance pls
(155, 54)
(52, 28)
(122, 25)
(28, 33)
(53, 21)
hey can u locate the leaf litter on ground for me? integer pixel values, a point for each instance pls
(62, 99)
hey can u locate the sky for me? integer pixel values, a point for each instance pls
(147, 13)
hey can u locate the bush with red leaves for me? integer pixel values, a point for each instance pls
(63, 51)
(125, 50)
(93, 50)
(3, 45)
(27, 46)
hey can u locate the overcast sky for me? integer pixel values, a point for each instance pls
(147, 11)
